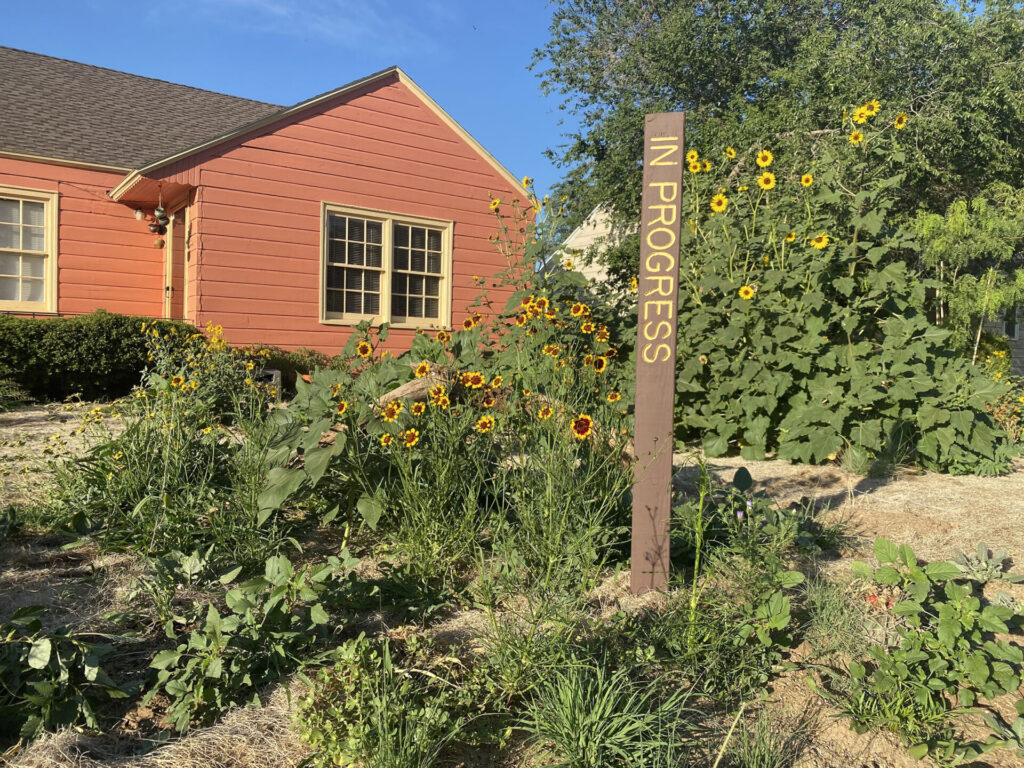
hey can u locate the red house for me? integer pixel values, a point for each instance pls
(287, 225)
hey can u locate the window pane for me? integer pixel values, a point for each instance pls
(10, 236)
(9, 263)
(399, 283)
(401, 235)
(355, 253)
(335, 277)
(9, 211)
(353, 279)
(336, 227)
(356, 229)
(8, 289)
(336, 253)
(418, 261)
(33, 266)
(354, 302)
(416, 284)
(33, 213)
(334, 301)
(433, 286)
(434, 239)
(401, 259)
(374, 232)
(419, 237)
(371, 281)
(398, 306)
(32, 290)
(373, 255)
(431, 308)
(371, 303)
(415, 307)
(33, 238)
(434, 263)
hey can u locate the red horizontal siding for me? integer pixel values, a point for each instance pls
(256, 219)
(105, 258)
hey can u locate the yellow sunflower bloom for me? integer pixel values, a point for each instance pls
(820, 242)
(495, 203)
(746, 293)
(806, 180)
(694, 167)
(766, 181)
(901, 121)
(691, 156)
(791, 237)
(719, 203)
(856, 137)
(764, 158)
(730, 153)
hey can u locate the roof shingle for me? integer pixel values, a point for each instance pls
(70, 111)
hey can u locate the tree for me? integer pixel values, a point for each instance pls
(748, 71)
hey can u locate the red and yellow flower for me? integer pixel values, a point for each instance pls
(545, 413)
(342, 407)
(363, 349)
(473, 379)
(422, 369)
(418, 409)
(391, 410)
(614, 397)
(484, 424)
(410, 437)
(582, 427)
(600, 364)
(386, 439)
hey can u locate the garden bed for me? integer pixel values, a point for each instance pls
(935, 514)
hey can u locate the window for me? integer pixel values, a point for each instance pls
(1010, 323)
(28, 262)
(385, 267)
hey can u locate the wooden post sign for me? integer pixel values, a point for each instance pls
(657, 297)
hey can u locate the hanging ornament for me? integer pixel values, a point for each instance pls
(159, 243)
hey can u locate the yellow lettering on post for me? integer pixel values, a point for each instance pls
(652, 353)
(665, 286)
(666, 151)
(660, 218)
(662, 187)
(661, 246)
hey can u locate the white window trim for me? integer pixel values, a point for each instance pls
(49, 303)
(388, 218)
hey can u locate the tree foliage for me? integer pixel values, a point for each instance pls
(748, 71)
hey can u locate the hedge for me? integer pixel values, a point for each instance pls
(98, 356)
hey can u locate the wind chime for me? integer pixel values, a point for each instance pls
(158, 221)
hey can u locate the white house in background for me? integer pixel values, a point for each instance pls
(595, 231)
(1010, 324)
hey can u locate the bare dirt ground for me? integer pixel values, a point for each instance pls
(934, 514)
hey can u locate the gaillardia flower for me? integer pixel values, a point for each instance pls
(484, 424)
(582, 427)
(363, 349)
(410, 437)
(422, 369)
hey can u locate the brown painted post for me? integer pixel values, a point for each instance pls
(658, 292)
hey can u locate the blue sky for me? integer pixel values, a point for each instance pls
(469, 55)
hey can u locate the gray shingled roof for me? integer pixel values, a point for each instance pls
(70, 111)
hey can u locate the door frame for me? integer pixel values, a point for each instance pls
(169, 261)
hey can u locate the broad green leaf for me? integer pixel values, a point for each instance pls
(370, 510)
(40, 652)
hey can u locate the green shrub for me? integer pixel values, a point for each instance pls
(385, 707)
(98, 356)
(49, 679)
(802, 329)
(12, 395)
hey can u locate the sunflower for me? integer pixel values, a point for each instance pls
(363, 349)
(766, 180)
(484, 424)
(691, 156)
(856, 137)
(579, 309)
(497, 382)
(422, 369)
(719, 203)
(386, 439)
(872, 107)
(410, 437)
(527, 182)
(473, 379)
(706, 167)
(860, 116)
(633, 285)
(806, 180)
(730, 153)
(545, 413)
(442, 336)
(418, 409)
(600, 364)
(791, 237)
(820, 241)
(694, 166)
(495, 203)
(582, 427)
(901, 121)
(764, 158)
(467, 324)
(177, 381)
(342, 407)
(391, 411)
(746, 293)
(614, 397)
